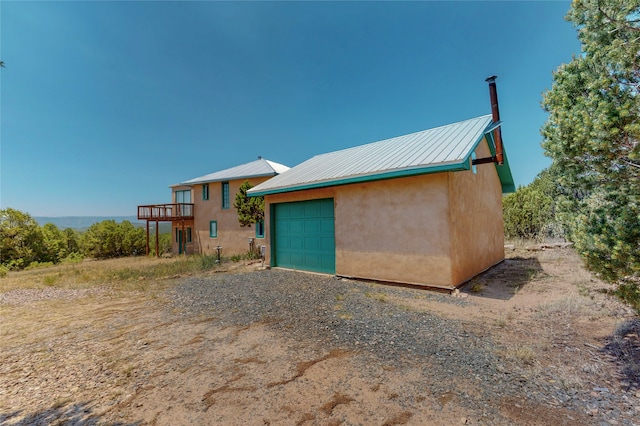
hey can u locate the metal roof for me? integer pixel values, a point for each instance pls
(258, 168)
(445, 148)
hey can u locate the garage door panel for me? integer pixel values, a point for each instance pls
(327, 244)
(327, 209)
(312, 209)
(311, 243)
(296, 226)
(296, 243)
(312, 226)
(296, 258)
(328, 261)
(327, 226)
(304, 235)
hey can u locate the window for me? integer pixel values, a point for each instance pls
(188, 235)
(205, 191)
(213, 229)
(183, 196)
(260, 229)
(225, 195)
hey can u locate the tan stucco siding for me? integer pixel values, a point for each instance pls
(390, 230)
(476, 211)
(233, 238)
(394, 230)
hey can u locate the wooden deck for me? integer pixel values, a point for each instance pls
(166, 212)
(176, 212)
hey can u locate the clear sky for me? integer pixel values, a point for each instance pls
(106, 104)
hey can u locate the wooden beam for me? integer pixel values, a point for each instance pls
(147, 238)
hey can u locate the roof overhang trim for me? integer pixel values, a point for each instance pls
(503, 170)
(226, 179)
(390, 174)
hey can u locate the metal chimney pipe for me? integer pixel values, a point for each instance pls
(495, 112)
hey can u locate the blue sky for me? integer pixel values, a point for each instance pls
(106, 104)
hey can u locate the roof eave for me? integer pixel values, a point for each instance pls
(392, 174)
(503, 170)
(225, 179)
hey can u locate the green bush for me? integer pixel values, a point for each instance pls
(529, 213)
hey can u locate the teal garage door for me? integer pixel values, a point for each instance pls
(304, 236)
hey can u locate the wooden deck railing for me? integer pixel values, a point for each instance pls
(166, 212)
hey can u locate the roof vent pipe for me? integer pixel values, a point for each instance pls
(495, 112)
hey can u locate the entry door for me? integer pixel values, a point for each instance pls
(181, 243)
(304, 236)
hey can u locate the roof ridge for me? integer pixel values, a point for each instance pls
(241, 171)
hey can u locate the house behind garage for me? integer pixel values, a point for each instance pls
(202, 213)
(411, 209)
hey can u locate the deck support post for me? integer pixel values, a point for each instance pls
(183, 240)
(147, 238)
(157, 240)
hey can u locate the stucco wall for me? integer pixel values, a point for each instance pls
(233, 238)
(477, 229)
(394, 230)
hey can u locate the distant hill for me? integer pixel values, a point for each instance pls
(83, 222)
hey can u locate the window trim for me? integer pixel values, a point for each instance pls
(205, 191)
(226, 202)
(211, 233)
(259, 228)
(182, 192)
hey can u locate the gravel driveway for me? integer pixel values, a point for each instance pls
(369, 319)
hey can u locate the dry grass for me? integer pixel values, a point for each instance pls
(477, 288)
(568, 306)
(525, 354)
(379, 296)
(133, 273)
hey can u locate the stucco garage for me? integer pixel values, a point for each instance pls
(413, 209)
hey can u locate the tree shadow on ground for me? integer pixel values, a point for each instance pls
(68, 415)
(505, 279)
(623, 348)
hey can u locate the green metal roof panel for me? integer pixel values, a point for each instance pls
(445, 148)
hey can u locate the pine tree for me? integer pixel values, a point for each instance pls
(592, 135)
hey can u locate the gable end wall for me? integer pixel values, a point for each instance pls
(476, 227)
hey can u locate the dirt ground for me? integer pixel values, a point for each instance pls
(124, 358)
